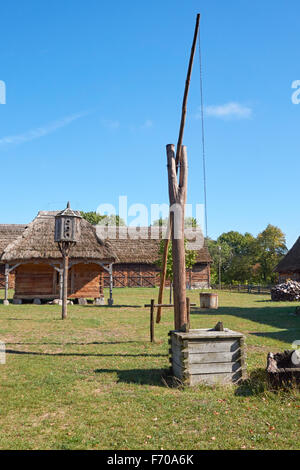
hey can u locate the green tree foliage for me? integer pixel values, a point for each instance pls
(271, 247)
(188, 222)
(97, 219)
(221, 253)
(246, 259)
(190, 258)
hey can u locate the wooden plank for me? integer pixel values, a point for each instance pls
(212, 379)
(214, 368)
(211, 357)
(213, 346)
(208, 333)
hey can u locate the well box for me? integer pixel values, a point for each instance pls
(208, 356)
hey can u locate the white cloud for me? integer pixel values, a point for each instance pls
(40, 131)
(228, 110)
(111, 124)
(147, 124)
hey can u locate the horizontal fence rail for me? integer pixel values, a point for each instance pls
(245, 288)
(132, 281)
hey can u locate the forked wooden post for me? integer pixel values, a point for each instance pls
(177, 196)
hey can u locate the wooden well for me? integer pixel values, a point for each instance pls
(209, 300)
(207, 356)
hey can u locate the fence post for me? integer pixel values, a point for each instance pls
(152, 321)
(188, 308)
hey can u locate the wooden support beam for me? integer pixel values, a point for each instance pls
(179, 144)
(152, 321)
(6, 282)
(177, 196)
(65, 285)
(188, 311)
(110, 300)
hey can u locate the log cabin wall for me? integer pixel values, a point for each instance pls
(40, 280)
(148, 275)
(283, 277)
(11, 278)
(200, 277)
(85, 281)
(34, 280)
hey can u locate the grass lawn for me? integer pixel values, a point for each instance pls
(94, 381)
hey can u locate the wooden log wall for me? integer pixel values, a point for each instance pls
(283, 277)
(11, 278)
(34, 280)
(42, 281)
(85, 281)
(148, 275)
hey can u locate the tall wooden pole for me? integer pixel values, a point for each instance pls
(179, 144)
(6, 283)
(177, 196)
(65, 283)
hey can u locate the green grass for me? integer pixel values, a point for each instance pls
(94, 381)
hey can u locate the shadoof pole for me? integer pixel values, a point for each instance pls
(220, 266)
(178, 151)
(177, 196)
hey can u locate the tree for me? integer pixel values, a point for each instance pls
(271, 247)
(219, 256)
(243, 256)
(188, 222)
(92, 217)
(97, 219)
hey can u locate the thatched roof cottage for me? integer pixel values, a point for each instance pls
(137, 250)
(31, 253)
(35, 258)
(289, 266)
(8, 233)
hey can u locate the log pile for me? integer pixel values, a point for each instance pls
(283, 369)
(288, 291)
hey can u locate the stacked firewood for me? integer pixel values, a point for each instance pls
(289, 291)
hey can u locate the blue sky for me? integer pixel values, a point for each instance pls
(94, 92)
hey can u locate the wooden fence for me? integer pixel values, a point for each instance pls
(132, 281)
(245, 288)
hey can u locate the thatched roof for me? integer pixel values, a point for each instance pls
(125, 245)
(8, 233)
(37, 242)
(141, 244)
(291, 261)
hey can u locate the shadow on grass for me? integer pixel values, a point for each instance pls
(108, 306)
(277, 317)
(138, 376)
(255, 384)
(49, 343)
(286, 336)
(35, 353)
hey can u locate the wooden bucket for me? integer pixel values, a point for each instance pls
(209, 300)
